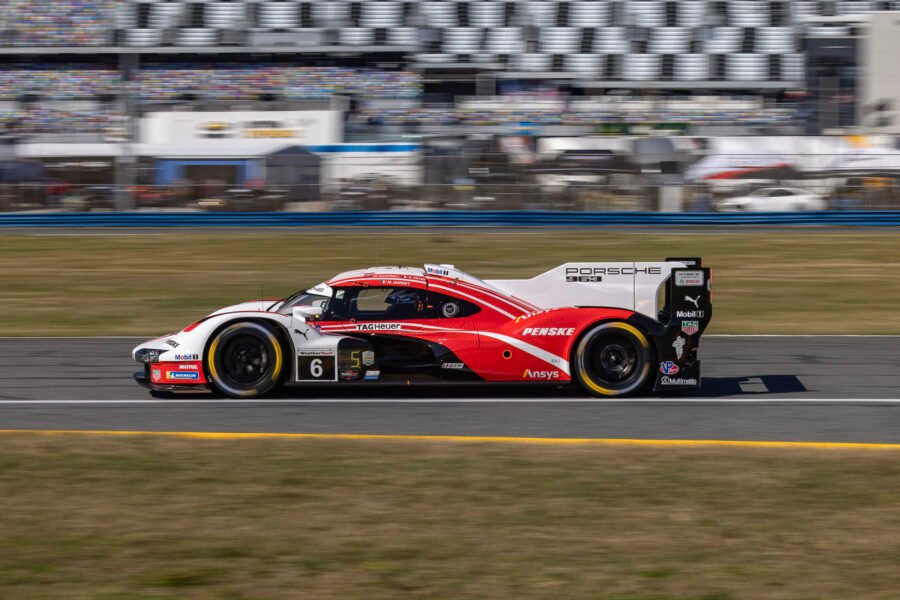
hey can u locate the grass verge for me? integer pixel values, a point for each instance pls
(150, 517)
(810, 281)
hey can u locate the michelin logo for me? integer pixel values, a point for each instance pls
(182, 375)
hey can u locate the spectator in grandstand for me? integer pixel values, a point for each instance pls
(61, 22)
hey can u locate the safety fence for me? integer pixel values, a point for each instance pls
(446, 219)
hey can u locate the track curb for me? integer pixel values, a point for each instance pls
(606, 442)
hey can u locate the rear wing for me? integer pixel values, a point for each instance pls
(635, 286)
(688, 295)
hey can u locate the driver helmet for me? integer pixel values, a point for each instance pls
(403, 296)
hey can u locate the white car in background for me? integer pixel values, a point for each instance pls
(774, 199)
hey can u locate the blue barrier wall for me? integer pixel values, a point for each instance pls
(444, 219)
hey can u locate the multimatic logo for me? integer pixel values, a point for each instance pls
(378, 326)
(666, 380)
(588, 274)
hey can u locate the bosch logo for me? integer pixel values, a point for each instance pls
(668, 367)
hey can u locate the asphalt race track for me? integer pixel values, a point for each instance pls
(829, 388)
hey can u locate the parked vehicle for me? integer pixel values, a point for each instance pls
(774, 199)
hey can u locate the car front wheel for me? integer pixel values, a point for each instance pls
(612, 359)
(245, 360)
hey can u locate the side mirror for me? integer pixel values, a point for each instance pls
(304, 313)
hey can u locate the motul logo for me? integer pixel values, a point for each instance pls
(549, 331)
(545, 375)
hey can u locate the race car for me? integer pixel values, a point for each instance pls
(613, 328)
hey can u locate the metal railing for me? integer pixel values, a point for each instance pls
(466, 196)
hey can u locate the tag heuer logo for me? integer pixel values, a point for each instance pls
(690, 327)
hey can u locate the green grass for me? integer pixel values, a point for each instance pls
(85, 518)
(786, 281)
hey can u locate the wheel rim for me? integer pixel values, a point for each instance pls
(245, 360)
(612, 359)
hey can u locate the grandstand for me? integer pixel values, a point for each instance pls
(95, 71)
(730, 44)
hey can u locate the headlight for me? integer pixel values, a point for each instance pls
(148, 355)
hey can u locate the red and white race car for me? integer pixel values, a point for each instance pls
(614, 328)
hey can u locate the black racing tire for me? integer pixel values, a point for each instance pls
(245, 360)
(613, 359)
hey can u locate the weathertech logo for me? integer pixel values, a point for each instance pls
(549, 331)
(378, 327)
(544, 375)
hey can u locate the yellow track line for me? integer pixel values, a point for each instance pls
(209, 435)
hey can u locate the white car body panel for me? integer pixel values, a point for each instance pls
(191, 345)
(629, 285)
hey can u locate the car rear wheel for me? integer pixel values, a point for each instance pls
(612, 359)
(245, 360)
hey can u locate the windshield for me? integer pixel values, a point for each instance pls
(314, 296)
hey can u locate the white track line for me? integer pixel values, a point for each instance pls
(300, 401)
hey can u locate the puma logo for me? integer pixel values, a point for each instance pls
(303, 333)
(694, 301)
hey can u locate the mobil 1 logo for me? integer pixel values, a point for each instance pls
(316, 365)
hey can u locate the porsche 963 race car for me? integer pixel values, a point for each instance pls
(613, 328)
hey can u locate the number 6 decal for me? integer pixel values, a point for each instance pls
(315, 368)
(316, 365)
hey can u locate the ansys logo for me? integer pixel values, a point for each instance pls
(545, 375)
